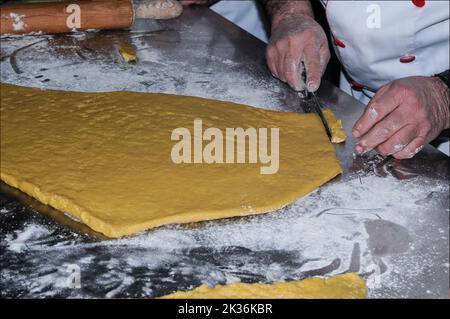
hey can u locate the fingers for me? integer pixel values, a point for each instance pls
(382, 131)
(292, 71)
(325, 57)
(286, 65)
(383, 103)
(402, 117)
(412, 148)
(402, 144)
(272, 58)
(283, 60)
(398, 141)
(292, 42)
(313, 67)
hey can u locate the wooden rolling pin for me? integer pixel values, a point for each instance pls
(70, 16)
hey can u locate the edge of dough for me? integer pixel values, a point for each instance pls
(65, 205)
(342, 286)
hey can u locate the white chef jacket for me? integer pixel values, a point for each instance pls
(245, 14)
(380, 41)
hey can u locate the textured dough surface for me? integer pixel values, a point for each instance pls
(337, 131)
(158, 9)
(104, 158)
(348, 286)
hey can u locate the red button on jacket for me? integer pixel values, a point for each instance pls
(407, 59)
(357, 86)
(339, 43)
(419, 3)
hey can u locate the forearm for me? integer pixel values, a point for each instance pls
(280, 9)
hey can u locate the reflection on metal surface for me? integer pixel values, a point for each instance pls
(349, 211)
(355, 263)
(387, 238)
(327, 270)
(13, 56)
(399, 169)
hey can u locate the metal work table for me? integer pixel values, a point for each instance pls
(385, 219)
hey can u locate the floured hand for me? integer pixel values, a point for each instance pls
(403, 116)
(297, 38)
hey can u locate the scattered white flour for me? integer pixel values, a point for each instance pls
(77, 65)
(147, 55)
(417, 150)
(398, 147)
(18, 24)
(28, 235)
(373, 113)
(327, 232)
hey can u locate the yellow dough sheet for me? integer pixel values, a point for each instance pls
(105, 158)
(345, 286)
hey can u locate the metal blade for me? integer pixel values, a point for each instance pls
(316, 106)
(318, 109)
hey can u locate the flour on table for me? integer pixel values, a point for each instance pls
(312, 237)
(56, 62)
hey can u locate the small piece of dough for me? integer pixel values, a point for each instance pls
(158, 9)
(345, 286)
(337, 131)
(128, 52)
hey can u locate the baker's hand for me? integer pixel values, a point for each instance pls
(297, 38)
(403, 116)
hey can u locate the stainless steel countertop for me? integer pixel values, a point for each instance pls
(402, 253)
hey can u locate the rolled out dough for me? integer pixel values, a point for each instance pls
(105, 158)
(345, 286)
